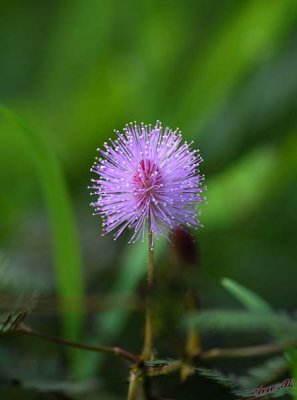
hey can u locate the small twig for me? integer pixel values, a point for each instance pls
(251, 351)
(117, 351)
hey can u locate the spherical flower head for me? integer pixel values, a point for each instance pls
(147, 178)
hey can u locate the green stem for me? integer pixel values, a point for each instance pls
(148, 333)
(150, 272)
(133, 384)
(270, 348)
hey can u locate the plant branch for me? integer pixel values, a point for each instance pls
(134, 380)
(117, 351)
(265, 349)
(251, 351)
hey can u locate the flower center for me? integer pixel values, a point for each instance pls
(147, 180)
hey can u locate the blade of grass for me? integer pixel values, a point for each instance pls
(66, 248)
(249, 299)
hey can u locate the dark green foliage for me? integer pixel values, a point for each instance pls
(218, 377)
(22, 307)
(242, 321)
(10, 321)
(262, 375)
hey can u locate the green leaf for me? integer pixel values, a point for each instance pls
(274, 391)
(265, 373)
(246, 386)
(254, 303)
(10, 321)
(157, 363)
(217, 376)
(22, 307)
(241, 321)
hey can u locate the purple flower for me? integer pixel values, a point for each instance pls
(147, 176)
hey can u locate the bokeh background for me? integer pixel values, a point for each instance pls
(224, 72)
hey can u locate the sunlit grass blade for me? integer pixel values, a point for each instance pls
(66, 247)
(249, 299)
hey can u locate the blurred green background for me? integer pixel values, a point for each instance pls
(224, 72)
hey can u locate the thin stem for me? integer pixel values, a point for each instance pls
(24, 329)
(148, 332)
(133, 383)
(148, 336)
(251, 351)
(150, 272)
